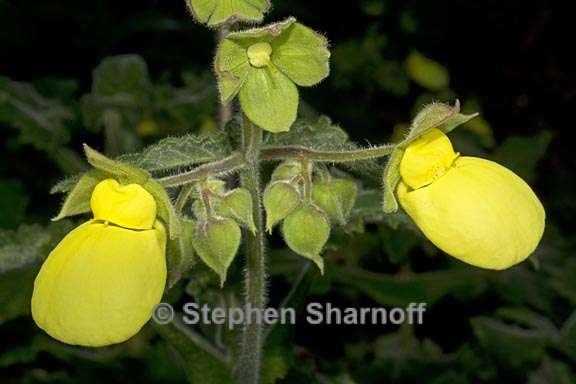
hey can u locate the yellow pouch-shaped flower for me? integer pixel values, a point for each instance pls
(475, 210)
(101, 283)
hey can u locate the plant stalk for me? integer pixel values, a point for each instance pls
(250, 359)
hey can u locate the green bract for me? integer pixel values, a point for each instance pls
(264, 66)
(217, 12)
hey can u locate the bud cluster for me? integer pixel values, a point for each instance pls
(307, 208)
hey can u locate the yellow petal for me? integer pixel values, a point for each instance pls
(426, 159)
(129, 206)
(100, 284)
(478, 212)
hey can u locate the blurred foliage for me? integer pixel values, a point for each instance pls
(151, 80)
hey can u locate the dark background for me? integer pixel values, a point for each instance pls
(511, 59)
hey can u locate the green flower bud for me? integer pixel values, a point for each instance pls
(264, 66)
(216, 241)
(280, 198)
(237, 204)
(287, 170)
(217, 12)
(306, 231)
(336, 198)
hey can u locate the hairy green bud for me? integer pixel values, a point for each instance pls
(280, 198)
(336, 198)
(306, 231)
(216, 241)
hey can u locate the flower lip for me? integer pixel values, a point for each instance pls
(426, 159)
(128, 206)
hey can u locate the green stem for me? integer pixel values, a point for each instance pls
(230, 164)
(237, 161)
(250, 361)
(307, 179)
(291, 152)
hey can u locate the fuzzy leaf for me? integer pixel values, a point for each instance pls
(178, 152)
(41, 121)
(165, 207)
(391, 180)
(321, 134)
(232, 67)
(29, 244)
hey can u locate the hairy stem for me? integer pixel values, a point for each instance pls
(291, 152)
(230, 164)
(250, 361)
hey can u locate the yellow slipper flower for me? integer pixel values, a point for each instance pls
(100, 284)
(473, 209)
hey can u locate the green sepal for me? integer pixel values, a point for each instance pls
(390, 181)
(165, 208)
(122, 172)
(436, 115)
(336, 198)
(280, 199)
(180, 254)
(217, 241)
(78, 199)
(306, 231)
(217, 12)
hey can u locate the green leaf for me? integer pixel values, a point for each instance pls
(200, 365)
(29, 244)
(13, 199)
(122, 75)
(269, 99)
(41, 121)
(179, 152)
(180, 254)
(522, 154)
(401, 290)
(320, 134)
(302, 54)
(427, 73)
(217, 12)
(510, 345)
(78, 200)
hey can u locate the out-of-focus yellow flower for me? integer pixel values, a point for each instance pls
(101, 283)
(473, 209)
